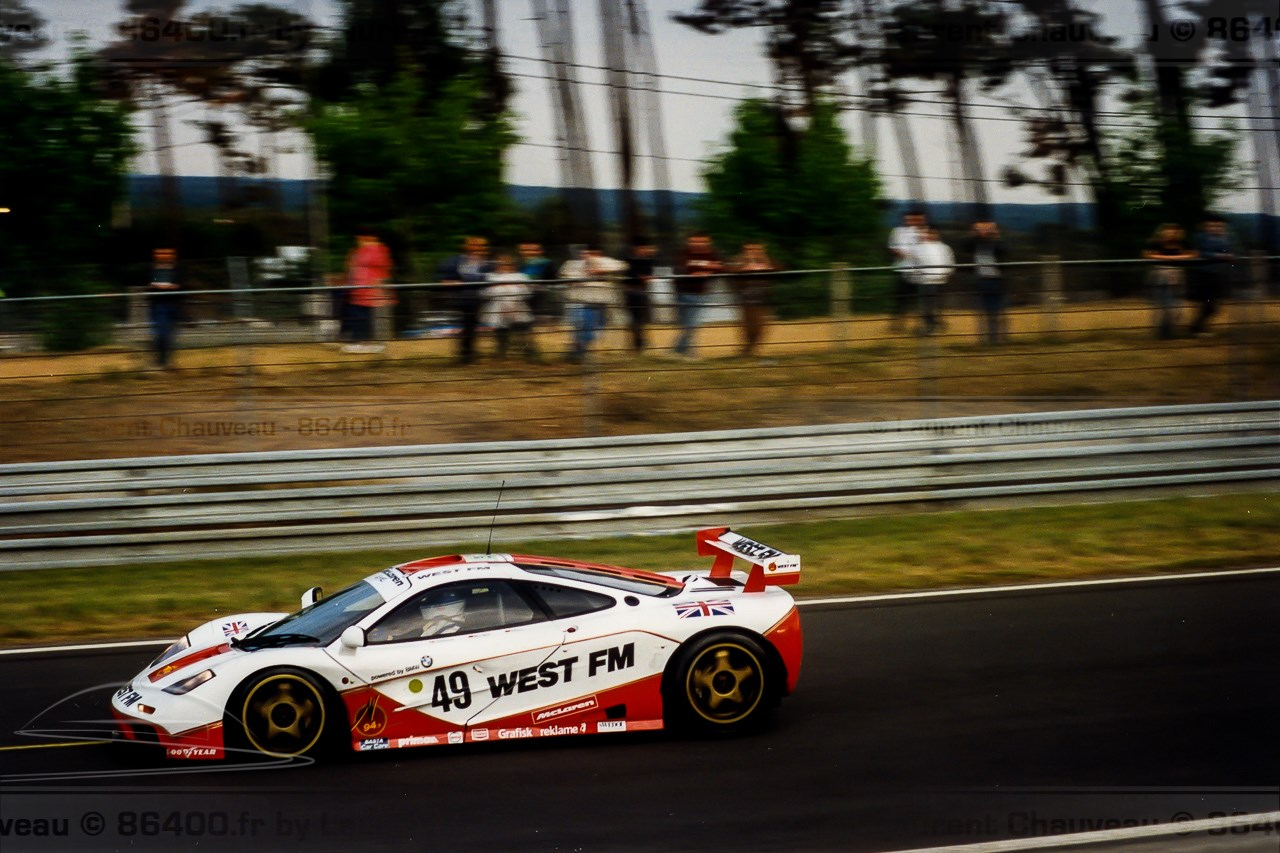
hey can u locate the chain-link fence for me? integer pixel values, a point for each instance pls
(262, 365)
(233, 300)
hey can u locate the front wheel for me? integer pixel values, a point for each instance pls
(720, 686)
(282, 713)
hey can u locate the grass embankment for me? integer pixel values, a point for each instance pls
(306, 396)
(903, 552)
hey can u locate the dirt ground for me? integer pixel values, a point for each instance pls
(109, 403)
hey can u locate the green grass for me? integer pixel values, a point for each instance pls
(880, 554)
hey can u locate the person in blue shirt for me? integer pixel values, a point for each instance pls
(468, 274)
(1211, 280)
(537, 267)
(163, 294)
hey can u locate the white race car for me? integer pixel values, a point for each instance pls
(471, 648)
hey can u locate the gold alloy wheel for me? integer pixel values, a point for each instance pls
(725, 683)
(283, 715)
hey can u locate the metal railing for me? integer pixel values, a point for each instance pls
(122, 511)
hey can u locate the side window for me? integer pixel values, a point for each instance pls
(458, 608)
(564, 601)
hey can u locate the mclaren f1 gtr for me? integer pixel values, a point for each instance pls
(482, 647)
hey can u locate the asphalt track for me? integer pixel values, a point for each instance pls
(918, 723)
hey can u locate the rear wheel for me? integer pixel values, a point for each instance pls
(721, 685)
(282, 713)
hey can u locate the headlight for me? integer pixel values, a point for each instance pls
(180, 645)
(187, 685)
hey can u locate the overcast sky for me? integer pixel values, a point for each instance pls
(697, 114)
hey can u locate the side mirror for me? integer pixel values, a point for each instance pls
(353, 637)
(311, 596)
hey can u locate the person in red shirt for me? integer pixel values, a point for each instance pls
(368, 268)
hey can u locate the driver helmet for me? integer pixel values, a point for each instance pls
(445, 611)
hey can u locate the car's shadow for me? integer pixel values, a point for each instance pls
(85, 717)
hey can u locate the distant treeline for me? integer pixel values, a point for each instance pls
(200, 192)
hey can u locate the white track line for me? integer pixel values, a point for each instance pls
(85, 647)
(1028, 587)
(1109, 836)
(809, 602)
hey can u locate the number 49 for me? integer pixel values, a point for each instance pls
(455, 691)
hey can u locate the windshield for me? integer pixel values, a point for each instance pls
(320, 623)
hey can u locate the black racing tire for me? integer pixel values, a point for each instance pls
(284, 713)
(720, 684)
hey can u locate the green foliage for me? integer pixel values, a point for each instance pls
(428, 169)
(946, 40)
(66, 153)
(22, 29)
(895, 552)
(803, 192)
(1139, 163)
(378, 37)
(65, 157)
(809, 42)
(76, 324)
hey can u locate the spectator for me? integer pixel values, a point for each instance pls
(1211, 281)
(635, 290)
(589, 296)
(934, 264)
(468, 274)
(751, 287)
(506, 308)
(903, 241)
(698, 262)
(1168, 278)
(368, 268)
(538, 269)
(164, 303)
(986, 252)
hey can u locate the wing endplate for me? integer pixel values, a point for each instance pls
(769, 566)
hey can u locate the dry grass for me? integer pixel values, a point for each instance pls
(310, 395)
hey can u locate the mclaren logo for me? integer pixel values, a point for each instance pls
(578, 707)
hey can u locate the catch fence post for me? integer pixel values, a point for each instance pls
(138, 323)
(242, 311)
(382, 315)
(1258, 264)
(241, 289)
(1245, 308)
(592, 405)
(1051, 297)
(841, 302)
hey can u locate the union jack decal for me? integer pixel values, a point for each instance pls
(697, 609)
(233, 628)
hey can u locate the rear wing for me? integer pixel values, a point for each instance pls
(769, 566)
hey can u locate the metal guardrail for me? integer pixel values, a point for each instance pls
(108, 512)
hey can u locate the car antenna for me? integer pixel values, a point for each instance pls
(496, 504)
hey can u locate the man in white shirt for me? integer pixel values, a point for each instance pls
(590, 293)
(934, 264)
(903, 241)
